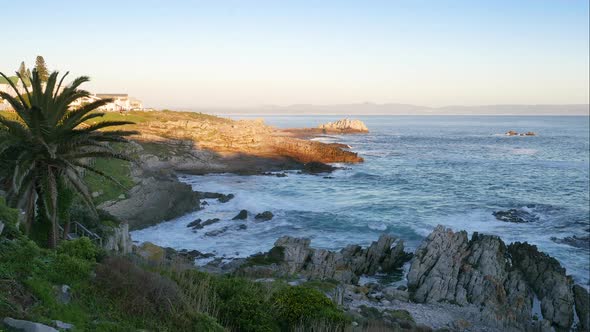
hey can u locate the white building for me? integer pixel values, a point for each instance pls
(121, 102)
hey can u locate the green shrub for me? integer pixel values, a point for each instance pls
(65, 269)
(81, 248)
(9, 217)
(306, 306)
(137, 291)
(19, 258)
(243, 305)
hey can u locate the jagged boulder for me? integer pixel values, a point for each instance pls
(582, 300)
(448, 267)
(548, 279)
(297, 257)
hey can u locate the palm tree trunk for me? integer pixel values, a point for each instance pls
(54, 234)
(29, 211)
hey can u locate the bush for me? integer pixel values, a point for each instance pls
(81, 248)
(306, 306)
(9, 217)
(19, 258)
(137, 291)
(243, 305)
(65, 269)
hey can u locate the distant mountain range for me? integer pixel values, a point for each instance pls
(405, 109)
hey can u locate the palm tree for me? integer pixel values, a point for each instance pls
(47, 146)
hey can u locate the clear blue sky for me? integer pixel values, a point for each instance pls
(248, 53)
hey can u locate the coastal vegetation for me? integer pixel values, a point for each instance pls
(117, 293)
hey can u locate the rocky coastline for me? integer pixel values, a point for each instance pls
(189, 144)
(451, 282)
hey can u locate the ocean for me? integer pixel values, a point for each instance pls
(419, 171)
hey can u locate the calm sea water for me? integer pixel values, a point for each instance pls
(418, 172)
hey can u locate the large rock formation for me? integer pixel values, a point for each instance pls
(582, 300)
(345, 126)
(119, 240)
(548, 280)
(295, 256)
(152, 201)
(448, 267)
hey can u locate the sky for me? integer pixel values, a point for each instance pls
(193, 54)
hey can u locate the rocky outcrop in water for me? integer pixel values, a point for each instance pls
(574, 241)
(264, 216)
(448, 267)
(345, 125)
(242, 215)
(295, 256)
(515, 216)
(515, 133)
(152, 201)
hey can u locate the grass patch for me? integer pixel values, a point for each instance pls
(119, 170)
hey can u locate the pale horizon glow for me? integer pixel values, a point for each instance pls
(199, 54)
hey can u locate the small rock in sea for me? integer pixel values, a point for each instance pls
(315, 167)
(279, 175)
(210, 222)
(328, 177)
(574, 241)
(264, 216)
(511, 133)
(196, 224)
(203, 203)
(515, 216)
(515, 133)
(241, 216)
(242, 227)
(225, 198)
(217, 231)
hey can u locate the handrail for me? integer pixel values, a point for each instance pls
(80, 230)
